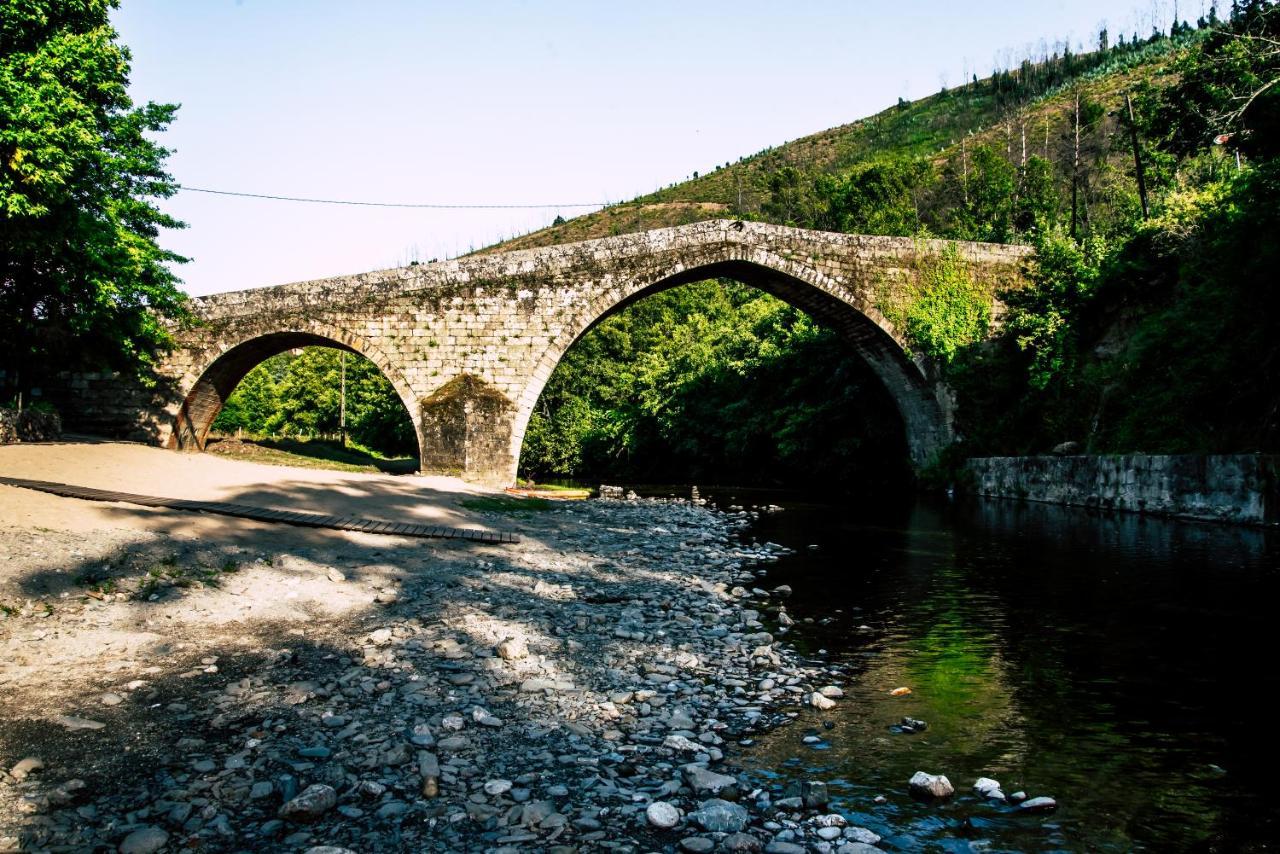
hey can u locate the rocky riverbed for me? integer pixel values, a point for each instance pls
(584, 690)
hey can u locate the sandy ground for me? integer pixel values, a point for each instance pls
(126, 467)
(53, 550)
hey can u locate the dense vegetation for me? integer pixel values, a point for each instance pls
(714, 382)
(83, 282)
(302, 395)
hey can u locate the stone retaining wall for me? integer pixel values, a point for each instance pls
(1229, 488)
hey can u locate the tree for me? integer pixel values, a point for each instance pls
(1229, 85)
(83, 282)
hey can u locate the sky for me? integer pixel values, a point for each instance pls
(516, 102)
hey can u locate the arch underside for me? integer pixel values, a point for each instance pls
(215, 384)
(915, 395)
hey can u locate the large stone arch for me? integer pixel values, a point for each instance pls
(219, 368)
(920, 399)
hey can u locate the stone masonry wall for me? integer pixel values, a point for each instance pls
(505, 320)
(1230, 488)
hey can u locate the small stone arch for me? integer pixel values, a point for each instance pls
(919, 397)
(221, 367)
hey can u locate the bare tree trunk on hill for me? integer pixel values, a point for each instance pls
(1075, 170)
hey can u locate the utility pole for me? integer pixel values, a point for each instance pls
(342, 404)
(1137, 157)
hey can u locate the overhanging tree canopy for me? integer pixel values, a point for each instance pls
(83, 281)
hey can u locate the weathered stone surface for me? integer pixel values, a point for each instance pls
(469, 344)
(144, 841)
(662, 814)
(1223, 487)
(706, 782)
(935, 786)
(720, 816)
(314, 802)
(1041, 804)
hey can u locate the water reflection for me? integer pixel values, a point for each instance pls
(1114, 663)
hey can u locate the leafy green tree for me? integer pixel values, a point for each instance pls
(1230, 84)
(1038, 201)
(794, 199)
(83, 282)
(301, 395)
(882, 198)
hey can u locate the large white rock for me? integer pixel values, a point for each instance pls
(662, 814)
(930, 785)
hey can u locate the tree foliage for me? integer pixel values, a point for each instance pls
(301, 395)
(714, 381)
(83, 281)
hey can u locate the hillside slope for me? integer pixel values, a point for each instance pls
(983, 112)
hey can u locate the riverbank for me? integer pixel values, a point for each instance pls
(1238, 488)
(174, 679)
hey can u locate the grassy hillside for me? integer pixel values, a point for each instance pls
(980, 113)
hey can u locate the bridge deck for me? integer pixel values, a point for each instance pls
(262, 514)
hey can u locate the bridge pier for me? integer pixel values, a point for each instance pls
(466, 432)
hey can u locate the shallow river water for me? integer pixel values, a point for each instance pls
(1124, 666)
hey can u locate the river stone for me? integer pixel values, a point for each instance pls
(741, 843)
(778, 846)
(1041, 804)
(25, 767)
(831, 691)
(144, 840)
(829, 833)
(935, 786)
(813, 794)
(662, 814)
(821, 702)
(719, 816)
(453, 742)
(697, 844)
(315, 801)
(704, 781)
(497, 787)
(987, 788)
(862, 835)
(513, 648)
(328, 849)
(73, 722)
(858, 848)
(679, 742)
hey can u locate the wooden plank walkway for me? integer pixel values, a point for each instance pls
(261, 514)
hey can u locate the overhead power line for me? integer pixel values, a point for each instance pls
(387, 204)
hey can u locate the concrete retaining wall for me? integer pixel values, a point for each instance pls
(1227, 488)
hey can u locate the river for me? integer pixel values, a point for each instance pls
(1121, 665)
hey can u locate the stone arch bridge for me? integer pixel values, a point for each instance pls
(469, 344)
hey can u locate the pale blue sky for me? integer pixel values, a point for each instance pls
(516, 102)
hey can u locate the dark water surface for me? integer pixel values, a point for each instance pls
(1122, 665)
